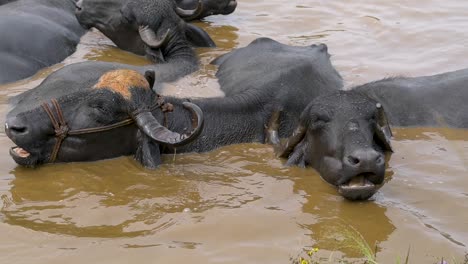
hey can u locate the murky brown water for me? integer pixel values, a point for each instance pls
(238, 204)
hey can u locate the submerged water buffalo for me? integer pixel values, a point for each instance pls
(152, 28)
(210, 7)
(344, 135)
(36, 34)
(120, 21)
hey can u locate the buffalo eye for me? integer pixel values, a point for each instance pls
(98, 107)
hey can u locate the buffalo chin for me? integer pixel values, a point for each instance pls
(358, 188)
(23, 157)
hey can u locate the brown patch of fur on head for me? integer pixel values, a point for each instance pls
(120, 81)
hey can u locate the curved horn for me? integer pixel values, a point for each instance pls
(283, 149)
(190, 14)
(78, 3)
(287, 147)
(383, 131)
(153, 129)
(149, 37)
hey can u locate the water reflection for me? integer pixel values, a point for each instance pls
(225, 189)
(118, 198)
(114, 54)
(339, 221)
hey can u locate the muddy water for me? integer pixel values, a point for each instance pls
(238, 204)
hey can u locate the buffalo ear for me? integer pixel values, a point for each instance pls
(382, 128)
(284, 149)
(150, 77)
(127, 13)
(198, 37)
(147, 153)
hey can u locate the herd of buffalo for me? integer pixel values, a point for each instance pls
(288, 96)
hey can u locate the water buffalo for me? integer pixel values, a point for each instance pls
(120, 21)
(155, 30)
(343, 135)
(210, 7)
(36, 34)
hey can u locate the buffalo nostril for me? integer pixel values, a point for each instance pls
(379, 160)
(353, 160)
(15, 126)
(17, 129)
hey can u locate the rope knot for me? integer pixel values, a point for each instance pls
(62, 131)
(167, 107)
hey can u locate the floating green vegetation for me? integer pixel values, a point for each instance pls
(354, 240)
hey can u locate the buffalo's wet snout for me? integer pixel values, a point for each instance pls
(364, 160)
(19, 133)
(231, 6)
(321, 47)
(15, 128)
(364, 170)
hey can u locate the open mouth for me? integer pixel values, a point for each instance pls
(359, 187)
(22, 156)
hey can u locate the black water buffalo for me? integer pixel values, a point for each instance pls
(343, 135)
(210, 7)
(120, 21)
(35, 34)
(148, 27)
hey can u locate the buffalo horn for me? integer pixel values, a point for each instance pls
(78, 3)
(383, 131)
(272, 136)
(288, 146)
(190, 14)
(153, 129)
(149, 37)
(283, 149)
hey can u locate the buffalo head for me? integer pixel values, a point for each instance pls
(122, 21)
(210, 7)
(344, 135)
(112, 118)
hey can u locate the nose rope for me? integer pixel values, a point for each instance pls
(60, 126)
(62, 130)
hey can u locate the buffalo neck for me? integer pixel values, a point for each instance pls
(178, 49)
(226, 121)
(180, 60)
